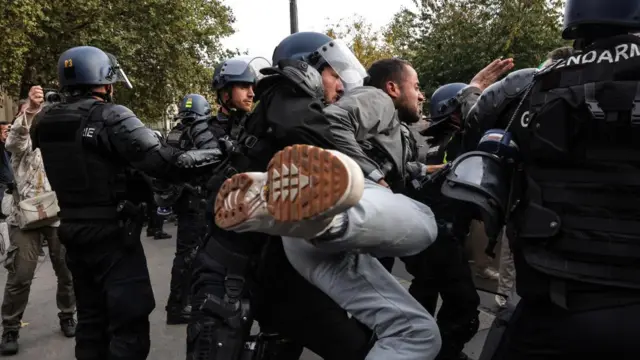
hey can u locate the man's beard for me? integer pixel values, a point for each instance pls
(407, 115)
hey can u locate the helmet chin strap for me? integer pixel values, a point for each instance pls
(106, 96)
(231, 111)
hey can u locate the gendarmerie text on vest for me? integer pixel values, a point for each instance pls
(619, 53)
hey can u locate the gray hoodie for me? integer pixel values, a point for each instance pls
(367, 114)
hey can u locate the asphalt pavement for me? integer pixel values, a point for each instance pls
(41, 339)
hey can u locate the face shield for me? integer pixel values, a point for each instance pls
(236, 68)
(482, 180)
(338, 55)
(118, 72)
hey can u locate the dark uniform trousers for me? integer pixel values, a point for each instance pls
(113, 289)
(285, 303)
(155, 221)
(541, 330)
(191, 230)
(442, 269)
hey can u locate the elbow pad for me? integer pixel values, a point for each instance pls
(201, 135)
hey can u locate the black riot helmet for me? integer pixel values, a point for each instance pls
(85, 66)
(582, 15)
(319, 50)
(194, 104)
(483, 179)
(238, 70)
(442, 104)
(235, 71)
(300, 46)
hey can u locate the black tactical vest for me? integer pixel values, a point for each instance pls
(87, 182)
(231, 126)
(179, 138)
(580, 138)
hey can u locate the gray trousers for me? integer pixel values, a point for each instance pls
(382, 224)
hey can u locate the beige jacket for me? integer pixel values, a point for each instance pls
(28, 168)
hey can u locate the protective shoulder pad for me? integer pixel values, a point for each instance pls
(118, 115)
(201, 135)
(498, 96)
(305, 77)
(516, 82)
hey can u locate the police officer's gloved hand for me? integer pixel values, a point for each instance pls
(199, 158)
(228, 145)
(416, 170)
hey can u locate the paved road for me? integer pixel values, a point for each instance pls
(41, 338)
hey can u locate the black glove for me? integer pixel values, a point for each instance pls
(199, 158)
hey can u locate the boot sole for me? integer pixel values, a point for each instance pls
(302, 182)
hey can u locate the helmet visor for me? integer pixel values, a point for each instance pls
(118, 72)
(122, 77)
(237, 66)
(338, 55)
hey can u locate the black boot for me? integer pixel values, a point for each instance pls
(178, 315)
(9, 345)
(161, 235)
(68, 327)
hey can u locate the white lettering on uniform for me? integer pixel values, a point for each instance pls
(525, 119)
(606, 55)
(574, 60)
(88, 132)
(622, 52)
(589, 57)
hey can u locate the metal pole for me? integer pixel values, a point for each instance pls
(293, 14)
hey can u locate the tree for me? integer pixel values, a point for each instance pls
(367, 43)
(451, 40)
(166, 47)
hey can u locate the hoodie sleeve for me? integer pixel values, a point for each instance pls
(19, 138)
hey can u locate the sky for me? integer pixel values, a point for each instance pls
(261, 24)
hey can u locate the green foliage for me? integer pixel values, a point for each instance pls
(451, 40)
(166, 47)
(367, 44)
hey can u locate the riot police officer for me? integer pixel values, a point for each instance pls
(87, 143)
(239, 276)
(564, 173)
(189, 209)
(234, 82)
(442, 269)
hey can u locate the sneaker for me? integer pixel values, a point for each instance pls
(68, 327)
(489, 273)
(9, 345)
(303, 188)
